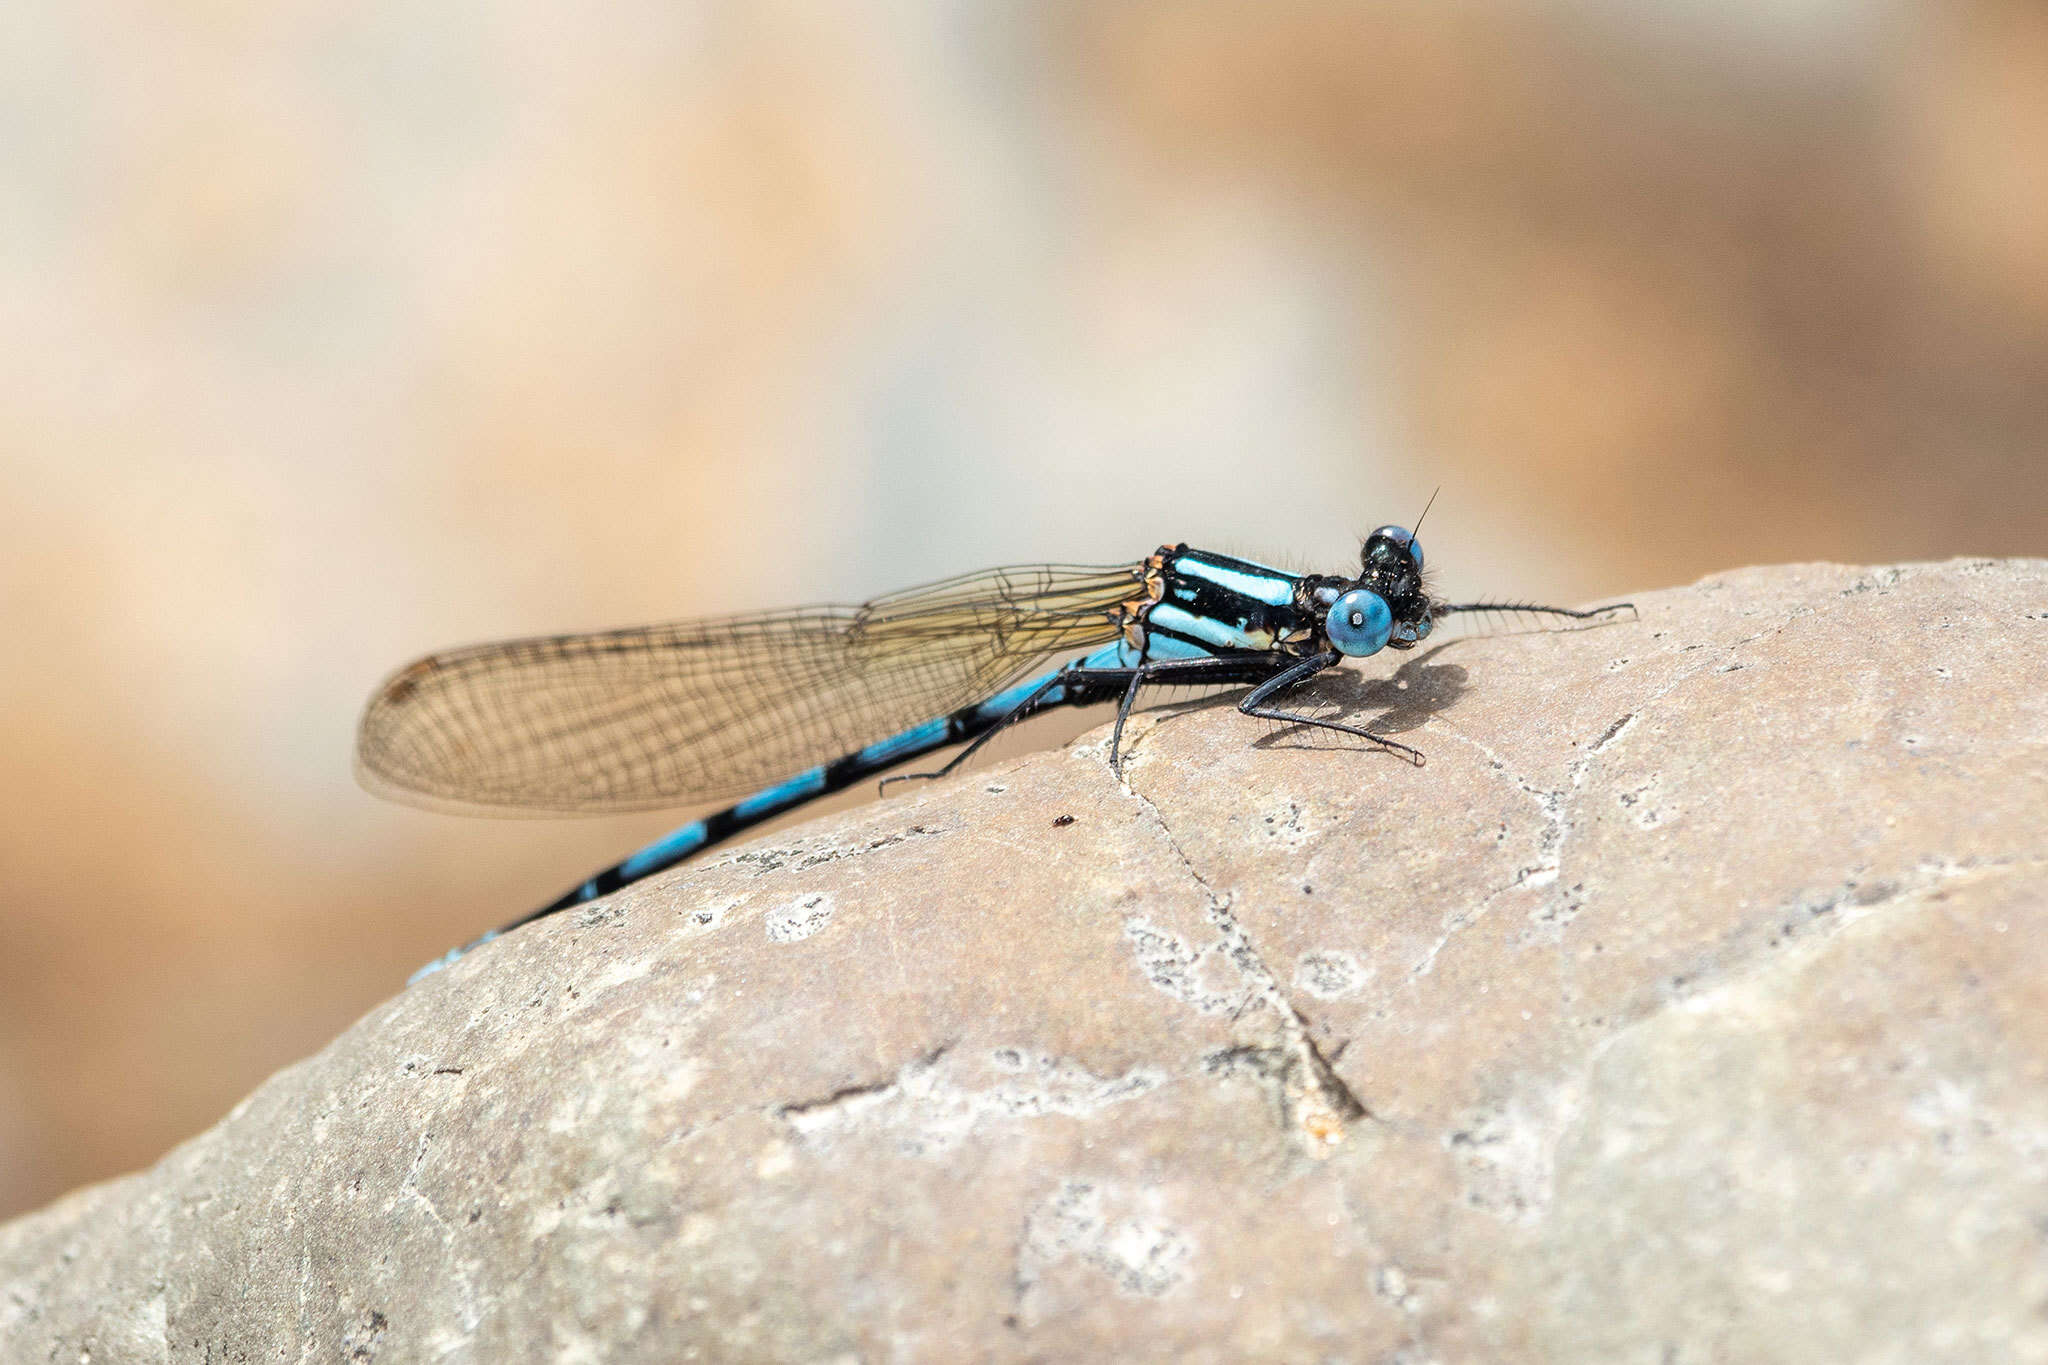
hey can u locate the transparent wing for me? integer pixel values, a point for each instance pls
(698, 710)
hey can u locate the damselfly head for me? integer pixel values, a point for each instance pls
(1386, 604)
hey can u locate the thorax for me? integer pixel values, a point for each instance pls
(1218, 604)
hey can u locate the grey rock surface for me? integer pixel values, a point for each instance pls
(1691, 1005)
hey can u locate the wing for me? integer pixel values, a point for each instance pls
(698, 710)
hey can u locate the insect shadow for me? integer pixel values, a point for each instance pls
(1403, 700)
(1393, 704)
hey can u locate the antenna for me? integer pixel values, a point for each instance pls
(1416, 529)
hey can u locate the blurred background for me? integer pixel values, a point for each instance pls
(335, 333)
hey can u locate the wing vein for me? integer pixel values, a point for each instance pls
(698, 710)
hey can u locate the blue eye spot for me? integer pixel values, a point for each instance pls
(1359, 623)
(1401, 535)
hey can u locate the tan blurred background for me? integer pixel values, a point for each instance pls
(339, 332)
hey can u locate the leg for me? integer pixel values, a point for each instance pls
(1189, 673)
(1531, 608)
(1123, 713)
(1031, 703)
(1255, 704)
(1081, 686)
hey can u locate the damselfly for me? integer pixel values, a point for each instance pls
(791, 705)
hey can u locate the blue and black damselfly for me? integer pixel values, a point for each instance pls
(789, 706)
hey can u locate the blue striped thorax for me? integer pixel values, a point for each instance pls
(1209, 603)
(1206, 604)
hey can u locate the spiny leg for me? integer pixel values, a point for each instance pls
(1082, 686)
(1123, 713)
(1016, 713)
(1187, 673)
(1255, 704)
(1439, 609)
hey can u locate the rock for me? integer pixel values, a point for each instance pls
(1691, 1005)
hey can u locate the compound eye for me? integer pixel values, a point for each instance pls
(1403, 537)
(1359, 623)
